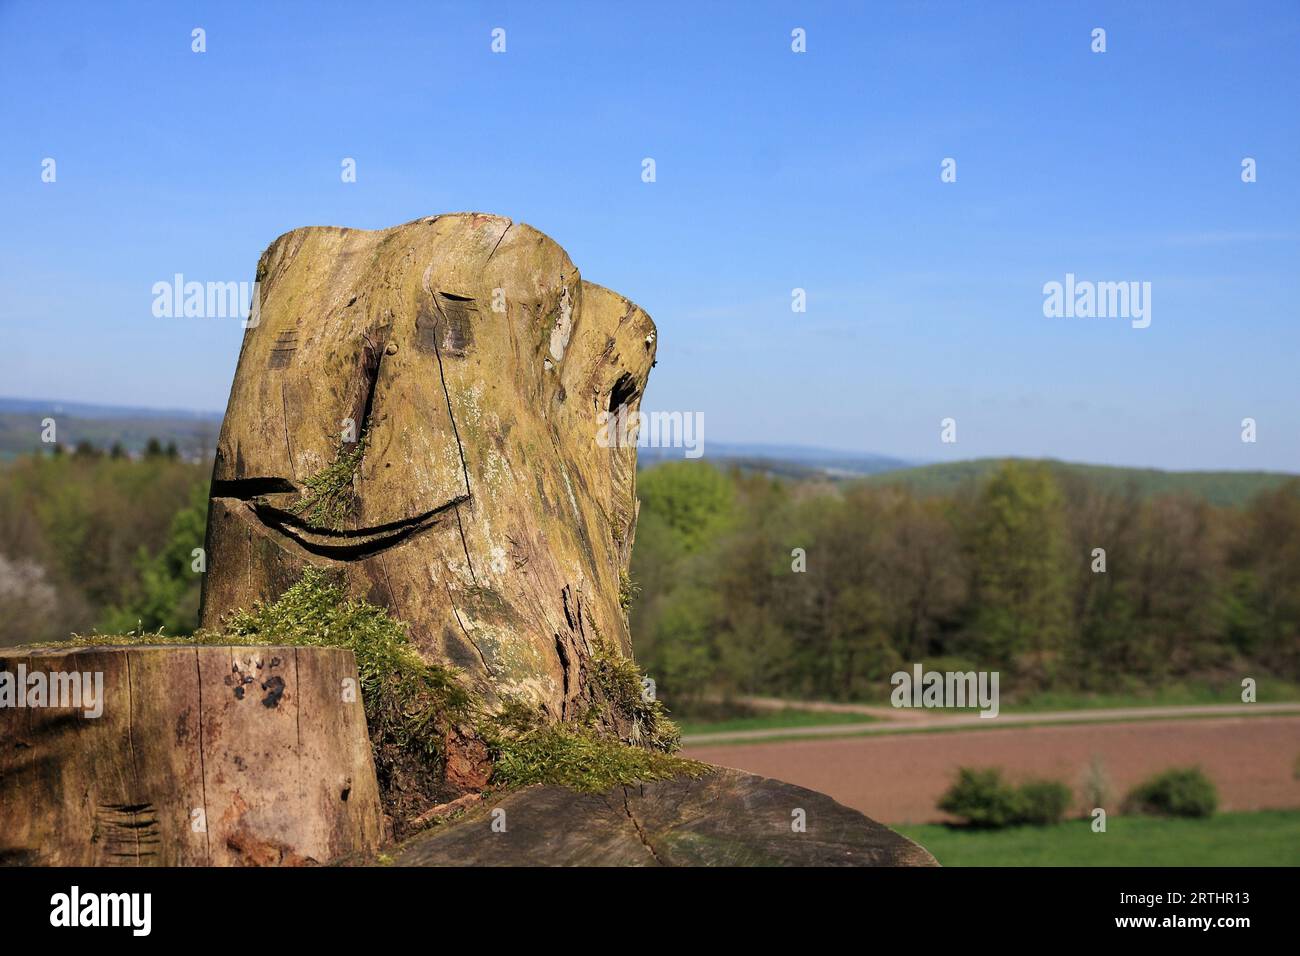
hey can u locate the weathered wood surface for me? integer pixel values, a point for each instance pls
(727, 818)
(201, 756)
(454, 370)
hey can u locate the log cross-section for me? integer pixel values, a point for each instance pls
(184, 756)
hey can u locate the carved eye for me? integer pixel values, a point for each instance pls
(286, 344)
(623, 393)
(449, 327)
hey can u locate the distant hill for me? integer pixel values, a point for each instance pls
(1217, 487)
(195, 433)
(785, 461)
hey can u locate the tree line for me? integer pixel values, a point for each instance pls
(93, 541)
(747, 584)
(755, 585)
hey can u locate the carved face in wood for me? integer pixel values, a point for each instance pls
(418, 409)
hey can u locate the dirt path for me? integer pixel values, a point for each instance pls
(907, 719)
(898, 778)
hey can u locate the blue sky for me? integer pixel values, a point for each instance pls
(775, 170)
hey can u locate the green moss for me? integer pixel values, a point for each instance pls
(621, 684)
(582, 759)
(582, 755)
(330, 495)
(151, 639)
(627, 590)
(587, 754)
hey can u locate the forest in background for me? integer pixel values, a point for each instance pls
(995, 574)
(98, 541)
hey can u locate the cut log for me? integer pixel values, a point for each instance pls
(184, 756)
(725, 818)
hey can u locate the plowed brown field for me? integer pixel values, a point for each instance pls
(899, 778)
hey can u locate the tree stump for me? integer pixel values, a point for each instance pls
(184, 756)
(424, 412)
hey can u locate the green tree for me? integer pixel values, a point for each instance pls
(683, 660)
(749, 570)
(1018, 565)
(167, 593)
(1263, 618)
(693, 500)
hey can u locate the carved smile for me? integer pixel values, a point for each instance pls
(269, 500)
(349, 545)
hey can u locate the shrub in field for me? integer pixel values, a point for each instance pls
(980, 797)
(983, 799)
(1043, 801)
(1180, 792)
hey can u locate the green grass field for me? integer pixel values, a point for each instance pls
(1187, 693)
(1183, 694)
(1265, 838)
(776, 719)
(1270, 689)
